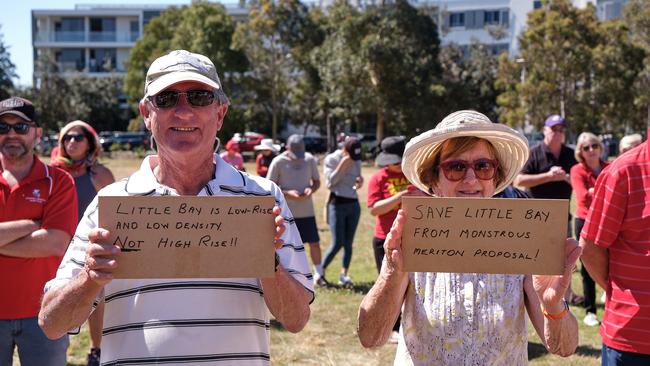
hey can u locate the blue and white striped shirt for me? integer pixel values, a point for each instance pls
(185, 321)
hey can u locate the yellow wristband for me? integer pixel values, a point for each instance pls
(559, 315)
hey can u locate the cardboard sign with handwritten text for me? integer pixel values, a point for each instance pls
(465, 235)
(190, 237)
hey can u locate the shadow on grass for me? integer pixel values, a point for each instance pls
(358, 287)
(536, 350)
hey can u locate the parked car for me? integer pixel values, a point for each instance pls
(106, 139)
(315, 144)
(46, 144)
(369, 146)
(248, 140)
(124, 140)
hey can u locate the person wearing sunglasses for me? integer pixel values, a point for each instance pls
(588, 152)
(38, 205)
(208, 320)
(79, 148)
(546, 173)
(465, 318)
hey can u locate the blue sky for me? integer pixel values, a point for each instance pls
(16, 28)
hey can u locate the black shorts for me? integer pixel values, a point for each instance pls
(307, 229)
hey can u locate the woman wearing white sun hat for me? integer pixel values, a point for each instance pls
(465, 318)
(268, 151)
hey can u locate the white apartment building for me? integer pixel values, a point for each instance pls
(498, 23)
(94, 39)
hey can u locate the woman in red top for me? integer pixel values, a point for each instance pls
(588, 151)
(268, 151)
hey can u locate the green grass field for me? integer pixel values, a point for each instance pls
(330, 336)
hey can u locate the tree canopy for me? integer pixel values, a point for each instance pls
(7, 70)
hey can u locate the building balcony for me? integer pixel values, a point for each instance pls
(90, 37)
(68, 36)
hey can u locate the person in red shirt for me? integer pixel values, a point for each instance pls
(616, 250)
(385, 190)
(268, 150)
(588, 151)
(38, 212)
(232, 156)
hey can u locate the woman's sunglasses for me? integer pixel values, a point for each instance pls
(455, 170)
(590, 147)
(196, 98)
(75, 137)
(21, 128)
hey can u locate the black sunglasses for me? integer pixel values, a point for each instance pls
(196, 98)
(76, 137)
(455, 170)
(21, 128)
(590, 147)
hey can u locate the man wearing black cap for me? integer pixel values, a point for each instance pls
(38, 216)
(546, 174)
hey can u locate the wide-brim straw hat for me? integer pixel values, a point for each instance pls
(267, 144)
(511, 146)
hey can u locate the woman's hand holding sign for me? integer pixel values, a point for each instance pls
(551, 289)
(393, 259)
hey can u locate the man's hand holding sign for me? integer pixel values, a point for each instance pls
(184, 237)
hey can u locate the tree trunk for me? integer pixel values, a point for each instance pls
(379, 134)
(331, 137)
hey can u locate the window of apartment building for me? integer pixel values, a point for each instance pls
(478, 19)
(134, 30)
(457, 19)
(70, 59)
(148, 15)
(491, 17)
(69, 30)
(102, 59)
(102, 30)
(537, 4)
(611, 10)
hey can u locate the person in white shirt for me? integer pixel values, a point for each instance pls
(212, 321)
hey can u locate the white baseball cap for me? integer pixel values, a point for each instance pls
(178, 66)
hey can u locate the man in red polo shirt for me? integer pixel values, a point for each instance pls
(38, 216)
(616, 251)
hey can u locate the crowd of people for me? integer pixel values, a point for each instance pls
(57, 262)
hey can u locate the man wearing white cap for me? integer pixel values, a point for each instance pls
(186, 321)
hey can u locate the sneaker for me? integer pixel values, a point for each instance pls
(94, 356)
(591, 320)
(320, 280)
(394, 338)
(345, 280)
